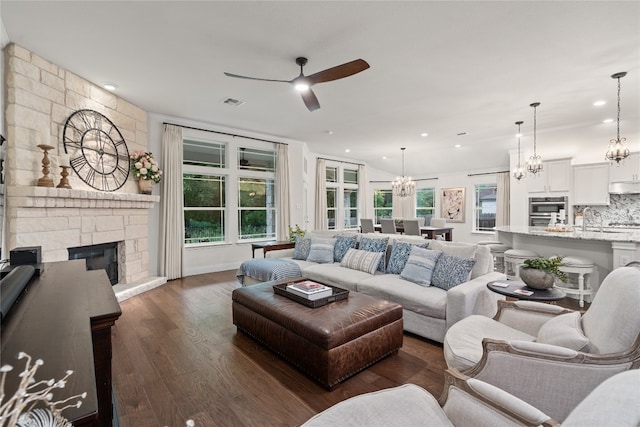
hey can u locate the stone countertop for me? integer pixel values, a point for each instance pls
(607, 235)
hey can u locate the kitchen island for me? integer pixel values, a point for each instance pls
(608, 249)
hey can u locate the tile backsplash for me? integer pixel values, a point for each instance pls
(623, 208)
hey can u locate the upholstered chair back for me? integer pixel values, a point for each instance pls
(612, 323)
(367, 225)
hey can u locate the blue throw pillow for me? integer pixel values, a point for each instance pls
(373, 244)
(302, 248)
(451, 270)
(400, 254)
(321, 250)
(344, 242)
(420, 266)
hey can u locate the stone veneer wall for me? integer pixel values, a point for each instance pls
(40, 96)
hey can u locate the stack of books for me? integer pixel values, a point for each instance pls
(310, 290)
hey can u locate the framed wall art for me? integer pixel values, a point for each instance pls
(452, 204)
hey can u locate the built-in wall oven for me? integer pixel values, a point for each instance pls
(541, 208)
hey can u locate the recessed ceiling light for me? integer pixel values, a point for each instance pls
(607, 121)
(599, 103)
(457, 145)
(423, 134)
(329, 132)
(347, 150)
(384, 157)
(110, 86)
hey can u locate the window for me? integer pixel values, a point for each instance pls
(331, 208)
(425, 204)
(220, 177)
(382, 204)
(256, 208)
(343, 181)
(204, 203)
(485, 207)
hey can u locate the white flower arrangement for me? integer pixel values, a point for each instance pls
(145, 167)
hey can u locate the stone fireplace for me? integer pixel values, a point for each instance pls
(59, 219)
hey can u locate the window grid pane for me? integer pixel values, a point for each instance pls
(425, 204)
(350, 176)
(332, 174)
(382, 204)
(206, 154)
(256, 208)
(350, 208)
(256, 160)
(203, 225)
(485, 207)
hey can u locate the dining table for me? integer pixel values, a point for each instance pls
(430, 232)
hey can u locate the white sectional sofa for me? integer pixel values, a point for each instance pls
(428, 311)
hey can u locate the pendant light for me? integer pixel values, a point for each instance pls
(617, 150)
(518, 172)
(403, 186)
(534, 165)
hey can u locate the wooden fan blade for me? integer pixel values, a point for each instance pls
(339, 71)
(256, 78)
(310, 100)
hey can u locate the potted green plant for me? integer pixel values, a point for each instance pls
(541, 273)
(295, 232)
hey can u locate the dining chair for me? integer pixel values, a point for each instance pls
(366, 225)
(388, 226)
(411, 227)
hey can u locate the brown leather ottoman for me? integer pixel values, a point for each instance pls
(329, 343)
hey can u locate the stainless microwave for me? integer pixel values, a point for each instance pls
(541, 208)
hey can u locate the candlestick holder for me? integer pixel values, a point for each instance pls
(64, 182)
(45, 180)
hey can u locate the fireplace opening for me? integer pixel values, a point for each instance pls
(99, 257)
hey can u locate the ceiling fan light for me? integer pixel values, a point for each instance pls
(302, 87)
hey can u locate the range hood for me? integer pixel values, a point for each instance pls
(628, 187)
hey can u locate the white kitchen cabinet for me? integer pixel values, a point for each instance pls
(627, 170)
(555, 177)
(591, 184)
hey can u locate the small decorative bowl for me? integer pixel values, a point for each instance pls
(537, 279)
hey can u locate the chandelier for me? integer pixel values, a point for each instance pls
(518, 172)
(534, 165)
(403, 186)
(617, 150)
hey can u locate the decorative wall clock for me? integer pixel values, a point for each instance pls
(97, 151)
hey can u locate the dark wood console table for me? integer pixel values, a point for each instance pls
(65, 318)
(271, 246)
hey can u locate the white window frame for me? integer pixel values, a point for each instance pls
(477, 209)
(339, 186)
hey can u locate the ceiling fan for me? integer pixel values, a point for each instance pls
(303, 83)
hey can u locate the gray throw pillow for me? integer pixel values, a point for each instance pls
(302, 248)
(321, 250)
(420, 265)
(366, 261)
(375, 244)
(451, 271)
(400, 254)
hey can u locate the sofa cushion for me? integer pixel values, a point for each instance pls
(420, 265)
(564, 331)
(302, 248)
(321, 250)
(427, 301)
(336, 275)
(375, 244)
(399, 255)
(451, 270)
(366, 261)
(343, 243)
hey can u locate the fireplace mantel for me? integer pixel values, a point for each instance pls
(47, 197)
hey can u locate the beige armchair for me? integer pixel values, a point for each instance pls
(549, 356)
(468, 402)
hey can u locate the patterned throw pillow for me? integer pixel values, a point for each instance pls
(420, 266)
(366, 261)
(373, 244)
(321, 250)
(302, 248)
(451, 270)
(400, 254)
(343, 243)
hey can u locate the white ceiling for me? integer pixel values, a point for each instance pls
(436, 67)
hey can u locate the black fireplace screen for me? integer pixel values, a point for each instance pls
(103, 256)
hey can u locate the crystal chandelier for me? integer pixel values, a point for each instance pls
(403, 186)
(534, 165)
(617, 150)
(518, 172)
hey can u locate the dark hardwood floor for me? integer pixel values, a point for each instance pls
(177, 355)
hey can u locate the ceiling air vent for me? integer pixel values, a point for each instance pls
(232, 102)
